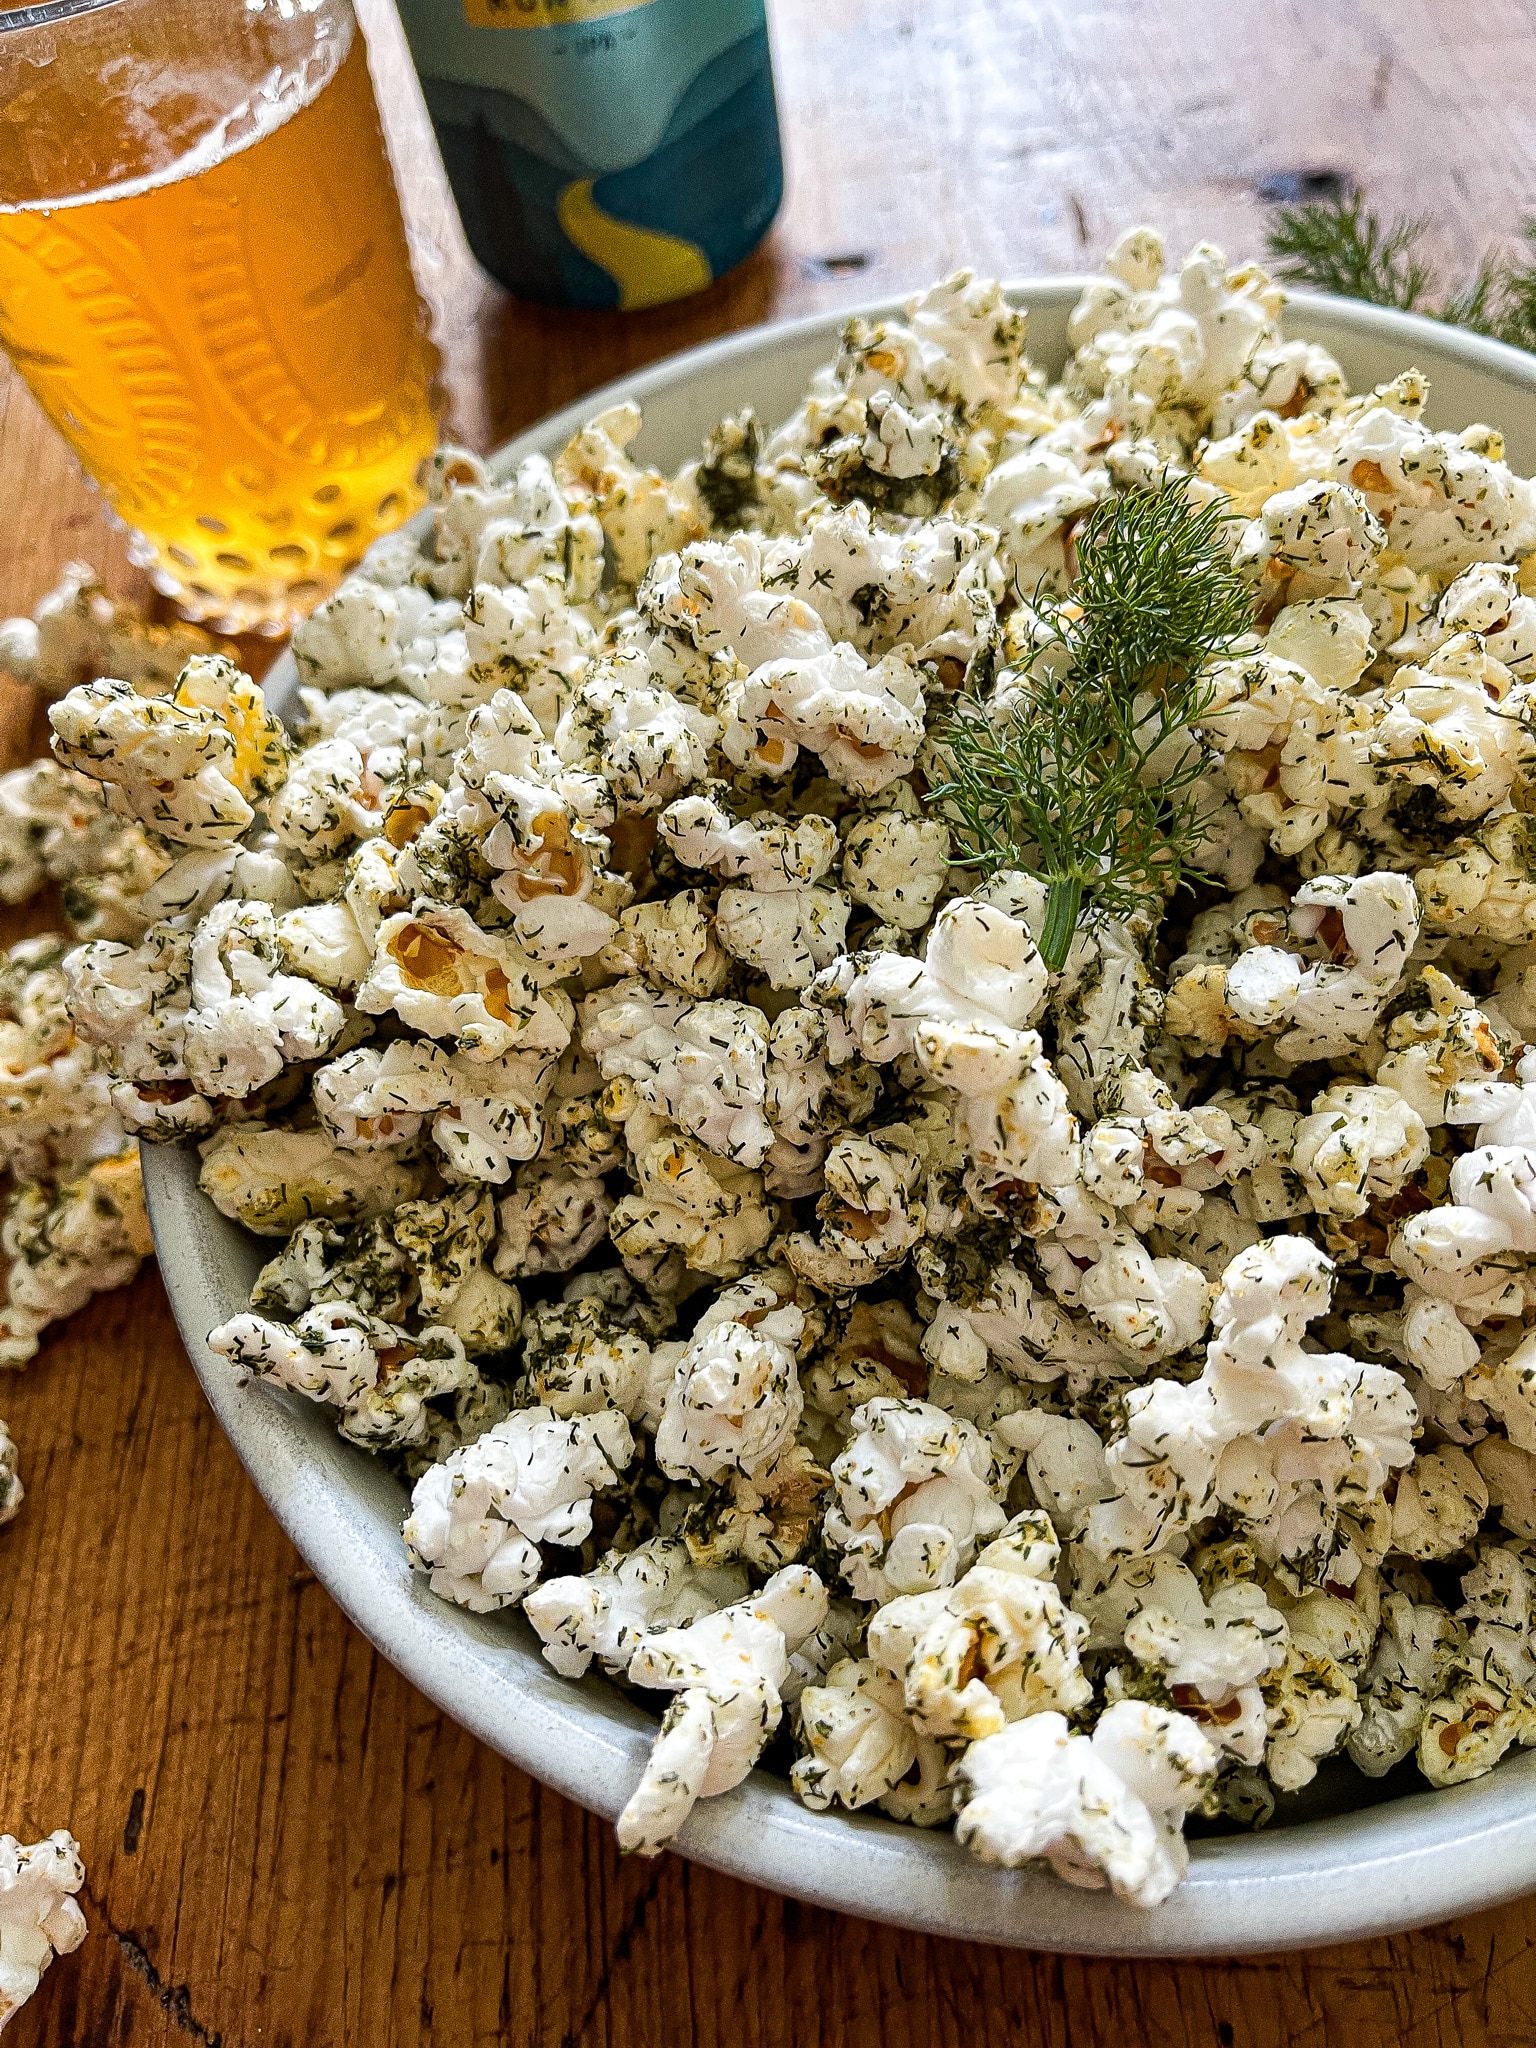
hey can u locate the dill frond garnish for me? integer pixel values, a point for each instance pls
(1501, 299)
(1084, 775)
(1337, 245)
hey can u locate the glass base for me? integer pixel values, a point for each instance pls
(235, 600)
(269, 613)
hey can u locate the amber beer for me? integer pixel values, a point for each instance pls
(233, 343)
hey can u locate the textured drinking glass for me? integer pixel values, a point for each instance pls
(204, 280)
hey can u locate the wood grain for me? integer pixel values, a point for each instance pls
(287, 1847)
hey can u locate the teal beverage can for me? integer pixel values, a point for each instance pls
(603, 152)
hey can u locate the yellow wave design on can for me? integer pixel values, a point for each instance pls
(545, 13)
(648, 267)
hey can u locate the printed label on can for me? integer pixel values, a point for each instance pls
(545, 13)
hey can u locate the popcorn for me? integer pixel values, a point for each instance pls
(710, 598)
(272, 1180)
(531, 952)
(1510, 1477)
(324, 806)
(39, 1918)
(726, 1670)
(1458, 1252)
(1439, 1505)
(673, 941)
(378, 1375)
(998, 1645)
(606, 1613)
(1033, 499)
(440, 973)
(1413, 1655)
(485, 1115)
(959, 1014)
(1212, 1656)
(579, 1359)
(1312, 1710)
(807, 1100)
(641, 514)
(1368, 927)
(863, 721)
(1065, 1464)
(79, 631)
(915, 1495)
(1000, 1316)
(185, 766)
(860, 1743)
(1105, 1808)
(322, 943)
(524, 636)
(767, 852)
(1484, 885)
(1426, 1334)
(1440, 731)
(1485, 1703)
(1164, 348)
(959, 343)
(715, 1214)
(12, 1492)
(477, 1518)
(788, 936)
(896, 866)
(871, 1213)
(1148, 1308)
(246, 1019)
(645, 743)
(360, 634)
(1359, 1145)
(929, 589)
(516, 528)
(551, 1221)
(1435, 1050)
(54, 827)
(66, 1243)
(445, 1241)
(64, 638)
(56, 1117)
(1443, 503)
(1280, 1436)
(701, 1064)
(734, 1398)
(980, 969)
(1314, 541)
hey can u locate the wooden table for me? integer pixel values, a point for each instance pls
(287, 1847)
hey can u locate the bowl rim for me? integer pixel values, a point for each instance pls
(1419, 1857)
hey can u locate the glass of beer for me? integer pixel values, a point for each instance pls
(204, 280)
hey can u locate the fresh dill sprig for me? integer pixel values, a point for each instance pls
(1501, 299)
(1337, 245)
(1084, 774)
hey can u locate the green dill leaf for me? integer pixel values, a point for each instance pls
(1336, 245)
(1084, 775)
(1501, 300)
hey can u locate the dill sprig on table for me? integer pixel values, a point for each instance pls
(1335, 245)
(1083, 775)
(1338, 245)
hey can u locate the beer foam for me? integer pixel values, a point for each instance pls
(284, 92)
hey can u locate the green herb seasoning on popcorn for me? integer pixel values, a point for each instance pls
(895, 1070)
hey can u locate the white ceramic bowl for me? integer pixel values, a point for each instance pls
(1332, 1875)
